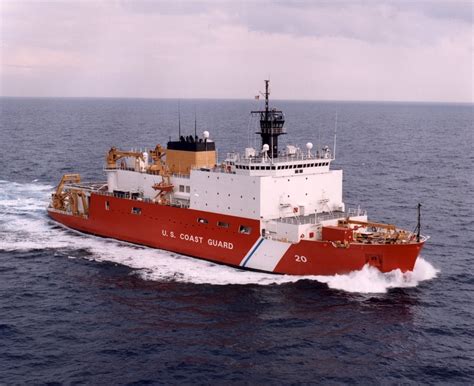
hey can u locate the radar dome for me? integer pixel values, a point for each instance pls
(309, 146)
(205, 134)
(265, 147)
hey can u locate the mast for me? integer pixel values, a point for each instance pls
(179, 121)
(267, 94)
(418, 227)
(271, 124)
(335, 138)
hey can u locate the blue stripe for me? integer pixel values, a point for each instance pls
(251, 253)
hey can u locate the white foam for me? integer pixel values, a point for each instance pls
(371, 280)
(25, 226)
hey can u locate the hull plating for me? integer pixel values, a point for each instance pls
(220, 238)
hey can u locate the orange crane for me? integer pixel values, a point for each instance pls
(114, 155)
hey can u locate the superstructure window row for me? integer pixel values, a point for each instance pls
(282, 167)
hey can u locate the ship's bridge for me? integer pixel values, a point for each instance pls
(291, 162)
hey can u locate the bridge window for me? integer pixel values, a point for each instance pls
(188, 189)
(136, 210)
(245, 230)
(181, 188)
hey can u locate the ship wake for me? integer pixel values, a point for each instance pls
(24, 225)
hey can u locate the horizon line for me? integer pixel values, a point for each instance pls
(245, 99)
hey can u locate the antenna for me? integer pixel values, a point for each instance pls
(267, 93)
(195, 123)
(335, 137)
(179, 120)
(319, 140)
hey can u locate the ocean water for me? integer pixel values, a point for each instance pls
(81, 309)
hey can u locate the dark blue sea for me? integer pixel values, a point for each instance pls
(77, 309)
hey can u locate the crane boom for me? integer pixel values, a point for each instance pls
(114, 155)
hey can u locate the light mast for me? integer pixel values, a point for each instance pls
(271, 125)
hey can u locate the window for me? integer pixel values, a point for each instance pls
(273, 167)
(201, 220)
(107, 205)
(136, 210)
(181, 188)
(188, 189)
(252, 167)
(222, 224)
(245, 230)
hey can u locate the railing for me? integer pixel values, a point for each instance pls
(316, 218)
(179, 204)
(152, 172)
(281, 159)
(356, 212)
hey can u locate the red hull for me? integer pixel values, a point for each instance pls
(178, 230)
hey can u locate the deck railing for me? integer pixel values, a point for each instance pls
(316, 218)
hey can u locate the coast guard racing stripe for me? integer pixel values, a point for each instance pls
(265, 254)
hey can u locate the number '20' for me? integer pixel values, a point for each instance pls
(301, 259)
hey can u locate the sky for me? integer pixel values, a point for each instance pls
(317, 50)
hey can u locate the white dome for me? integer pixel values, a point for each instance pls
(205, 134)
(265, 147)
(309, 146)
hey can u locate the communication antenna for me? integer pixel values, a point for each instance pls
(179, 120)
(195, 123)
(319, 140)
(335, 137)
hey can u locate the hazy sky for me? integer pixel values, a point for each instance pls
(325, 50)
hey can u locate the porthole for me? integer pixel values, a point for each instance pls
(246, 230)
(136, 210)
